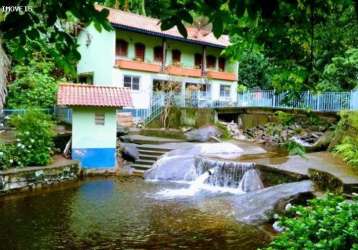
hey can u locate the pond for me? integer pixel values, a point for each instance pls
(121, 213)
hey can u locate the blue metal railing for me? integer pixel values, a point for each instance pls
(322, 102)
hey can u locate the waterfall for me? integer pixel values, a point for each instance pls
(219, 176)
(230, 174)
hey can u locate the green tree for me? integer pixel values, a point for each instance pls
(254, 71)
(341, 73)
(293, 35)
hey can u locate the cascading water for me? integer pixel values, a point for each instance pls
(230, 174)
(219, 176)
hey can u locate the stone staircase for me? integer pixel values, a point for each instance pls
(148, 154)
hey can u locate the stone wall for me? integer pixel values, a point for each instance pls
(186, 117)
(252, 117)
(24, 179)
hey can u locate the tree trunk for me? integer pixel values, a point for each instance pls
(4, 70)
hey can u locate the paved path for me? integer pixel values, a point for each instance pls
(321, 161)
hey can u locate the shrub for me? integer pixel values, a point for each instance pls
(294, 148)
(285, 118)
(329, 222)
(34, 141)
(345, 143)
(34, 86)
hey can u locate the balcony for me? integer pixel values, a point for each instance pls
(138, 66)
(227, 76)
(180, 71)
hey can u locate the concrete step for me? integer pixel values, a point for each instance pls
(138, 172)
(150, 152)
(137, 166)
(148, 157)
(143, 140)
(151, 148)
(145, 162)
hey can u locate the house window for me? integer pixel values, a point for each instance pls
(121, 48)
(176, 54)
(211, 62)
(224, 91)
(198, 61)
(139, 51)
(99, 118)
(222, 62)
(158, 54)
(131, 82)
(85, 78)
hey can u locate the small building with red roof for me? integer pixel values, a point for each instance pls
(94, 121)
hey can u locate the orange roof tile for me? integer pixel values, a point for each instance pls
(132, 21)
(70, 94)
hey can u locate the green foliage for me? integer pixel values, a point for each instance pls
(348, 150)
(299, 38)
(46, 22)
(345, 142)
(294, 148)
(225, 134)
(34, 141)
(329, 222)
(34, 86)
(341, 73)
(254, 71)
(285, 118)
(290, 80)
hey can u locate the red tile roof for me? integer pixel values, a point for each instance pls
(152, 25)
(70, 94)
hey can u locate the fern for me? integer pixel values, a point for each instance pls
(348, 150)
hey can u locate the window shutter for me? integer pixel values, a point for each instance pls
(222, 62)
(210, 61)
(99, 118)
(158, 54)
(176, 54)
(198, 60)
(121, 48)
(139, 51)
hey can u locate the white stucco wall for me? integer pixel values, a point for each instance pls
(99, 56)
(87, 134)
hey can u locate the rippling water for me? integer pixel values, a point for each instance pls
(118, 213)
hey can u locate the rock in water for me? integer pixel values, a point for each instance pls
(202, 134)
(172, 168)
(251, 181)
(179, 164)
(129, 152)
(259, 206)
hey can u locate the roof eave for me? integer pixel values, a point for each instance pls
(124, 27)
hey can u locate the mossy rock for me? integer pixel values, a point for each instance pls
(185, 117)
(325, 181)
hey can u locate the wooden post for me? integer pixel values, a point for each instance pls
(203, 64)
(164, 57)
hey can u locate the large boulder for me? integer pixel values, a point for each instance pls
(203, 134)
(319, 142)
(179, 164)
(129, 151)
(258, 207)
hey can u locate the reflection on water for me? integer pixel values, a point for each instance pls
(119, 214)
